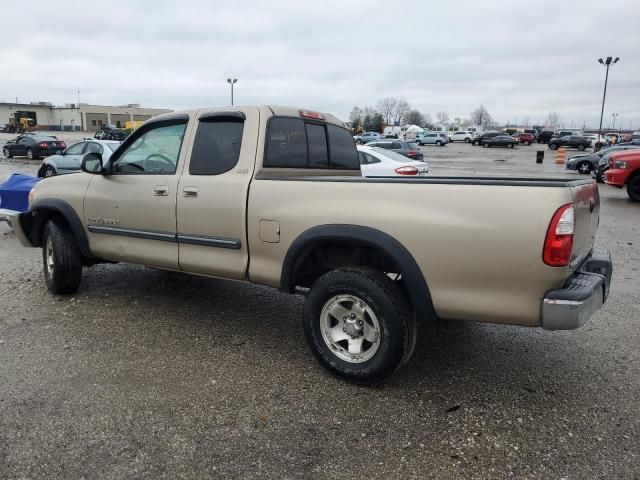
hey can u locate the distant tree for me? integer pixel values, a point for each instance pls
(428, 121)
(443, 117)
(378, 122)
(480, 116)
(402, 107)
(553, 120)
(387, 108)
(413, 117)
(355, 117)
(367, 123)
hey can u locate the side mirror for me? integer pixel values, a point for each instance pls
(92, 163)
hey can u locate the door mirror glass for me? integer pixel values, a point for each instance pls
(92, 163)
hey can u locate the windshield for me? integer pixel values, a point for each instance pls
(391, 155)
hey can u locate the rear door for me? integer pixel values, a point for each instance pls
(213, 190)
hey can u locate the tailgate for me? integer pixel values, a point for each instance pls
(586, 205)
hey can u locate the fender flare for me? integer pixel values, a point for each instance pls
(68, 213)
(415, 282)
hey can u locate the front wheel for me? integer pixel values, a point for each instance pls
(584, 168)
(439, 143)
(486, 145)
(633, 189)
(30, 155)
(527, 143)
(581, 148)
(61, 258)
(49, 171)
(467, 140)
(553, 146)
(358, 325)
(511, 145)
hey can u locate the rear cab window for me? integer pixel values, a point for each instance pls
(301, 143)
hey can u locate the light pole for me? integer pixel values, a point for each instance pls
(232, 81)
(613, 125)
(606, 63)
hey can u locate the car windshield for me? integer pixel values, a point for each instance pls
(413, 146)
(391, 155)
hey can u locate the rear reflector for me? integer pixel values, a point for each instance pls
(310, 114)
(406, 171)
(558, 243)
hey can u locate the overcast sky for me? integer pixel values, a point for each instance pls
(519, 59)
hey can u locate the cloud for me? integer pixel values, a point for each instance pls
(518, 60)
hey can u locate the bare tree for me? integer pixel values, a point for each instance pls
(428, 121)
(413, 117)
(443, 117)
(402, 107)
(355, 117)
(369, 111)
(387, 107)
(553, 120)
(480, 116)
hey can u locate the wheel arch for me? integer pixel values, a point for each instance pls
(356, 236)
(47, 208)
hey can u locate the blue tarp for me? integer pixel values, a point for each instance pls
(14, 193)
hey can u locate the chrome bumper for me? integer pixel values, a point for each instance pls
(581, 296)
(12, 217)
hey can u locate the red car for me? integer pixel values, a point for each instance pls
(525, 138)
(624, 169)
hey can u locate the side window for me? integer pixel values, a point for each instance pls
(216, 148)
(362, 157)
(75, 149)
(317, 142)
(342, 148)
(93, 147)
(286, 143)
(154, 152)
(396, 145)
(371, 159)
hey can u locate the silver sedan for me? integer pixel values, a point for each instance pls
(69, 160)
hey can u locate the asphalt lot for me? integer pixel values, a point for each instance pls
(148, 374)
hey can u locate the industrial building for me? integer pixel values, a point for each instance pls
(76, 117)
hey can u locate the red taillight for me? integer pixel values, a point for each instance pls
(411, 153)
(406, 171)
(559, 240)
(310, 114)
(43, 145)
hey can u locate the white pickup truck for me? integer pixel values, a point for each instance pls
(273, 195)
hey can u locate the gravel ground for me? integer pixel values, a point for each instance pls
(149, 374)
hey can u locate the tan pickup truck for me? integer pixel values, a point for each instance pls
(273, 195)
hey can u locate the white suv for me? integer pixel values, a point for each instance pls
(461, 136)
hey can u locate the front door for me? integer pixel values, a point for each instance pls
(130, 212)
(212, 193)
(72, 157)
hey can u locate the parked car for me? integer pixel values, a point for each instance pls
(432, 138)
(373, 255)
(587, 163)
(570, 141)
(378, 162)
(503, 140)
(110, 133)
(367, 137)
(533, 132)
(624, 169)
(634, 142)
(68, 161)
(485, 136)
(408, 149)
(545, 135)
(461, 136)
(32, 146)
(525, 138)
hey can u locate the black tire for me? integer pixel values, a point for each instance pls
(419, 142)
(553, 146)
(527, 143)
(581, 148)
(7, 153)
(60, 250)
(486, 144)
(584, 168)
(476, 143)
(511, 145)
(30, 154)
(633, 189)
(397, 324)
(49, 171)
(439, 143)
(467, 140)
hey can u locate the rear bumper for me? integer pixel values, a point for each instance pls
(12, 217)
(581, 296)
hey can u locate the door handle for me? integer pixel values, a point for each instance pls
(190, 192)
(160, 191)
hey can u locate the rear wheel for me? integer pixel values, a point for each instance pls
(6, 153)
(486, 145)
(633, 189)
(584, 168)
(30, 155)
(511, 145)
(476, 142)
(61, 258)
(467, 140)
(358, 325)
(439, 143)
(581, 148)
(553, 146)
(527, 143)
